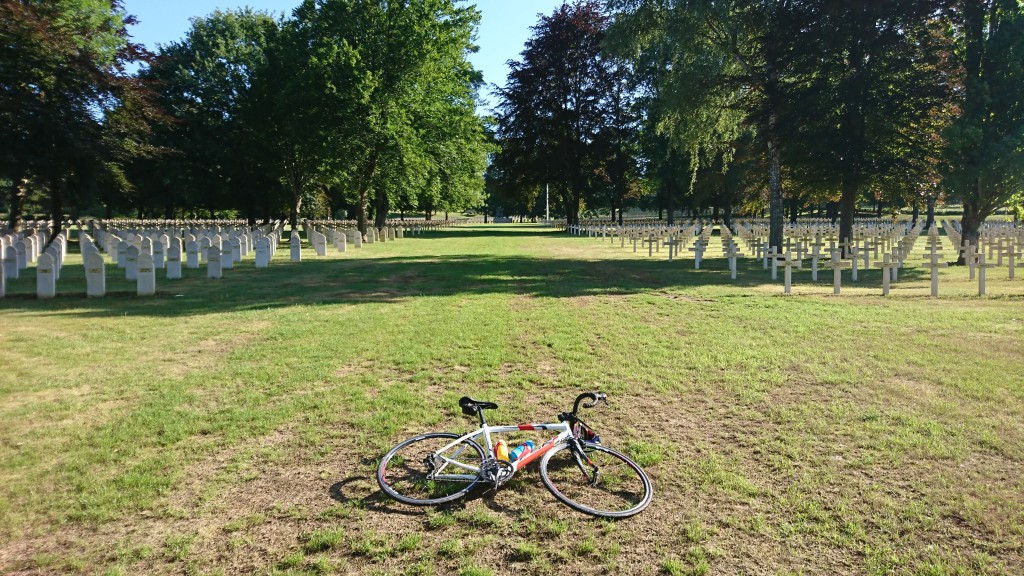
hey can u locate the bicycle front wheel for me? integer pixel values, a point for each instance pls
(425, 470)
(596, 480)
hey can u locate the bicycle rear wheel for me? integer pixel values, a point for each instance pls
(418, 472)
(596, 480)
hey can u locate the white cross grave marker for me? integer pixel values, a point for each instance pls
(836, 264)
(932, 262)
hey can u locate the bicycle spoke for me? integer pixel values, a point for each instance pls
(607, 485)
(416, 472)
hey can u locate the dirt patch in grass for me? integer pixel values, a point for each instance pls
(717, 500)
(210, 351)
(354, 368)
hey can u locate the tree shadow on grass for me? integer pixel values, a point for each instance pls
(396, 279)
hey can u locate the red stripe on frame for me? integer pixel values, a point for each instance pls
(526, 427)
(522, 462)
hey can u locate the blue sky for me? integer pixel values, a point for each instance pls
(504, 28)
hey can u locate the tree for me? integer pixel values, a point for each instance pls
(210, 84)
(397, 95)
(719, 58)
(62, 71)
(985, 152)
(868, 92)
(557, 101)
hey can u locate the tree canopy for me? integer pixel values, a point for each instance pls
(363, 108)
(756, 104)
(346, 106)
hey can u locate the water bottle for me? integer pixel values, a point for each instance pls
(501, 451)
(521, 450)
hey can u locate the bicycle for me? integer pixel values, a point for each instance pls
(440, 467)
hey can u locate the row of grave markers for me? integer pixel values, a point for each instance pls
(887, 244)
(148, 246)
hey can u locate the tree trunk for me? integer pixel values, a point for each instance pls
(970, 225)
(362, 195)
(56, 208)
(916, 212)
(16, 205)
(382, 208)
(847, 206)
(930, 215)
(774, 185)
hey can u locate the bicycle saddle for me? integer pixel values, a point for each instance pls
(470, 407)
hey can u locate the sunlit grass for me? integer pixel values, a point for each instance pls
(861, 434)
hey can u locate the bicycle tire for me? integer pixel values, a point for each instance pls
(623, 488)
(414, 470)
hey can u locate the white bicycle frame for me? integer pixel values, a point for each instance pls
(563, 429)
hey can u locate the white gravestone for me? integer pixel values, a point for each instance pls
(400, 233)
(295, 244)
(371, 235)
(131, 264)
(22, 249)
(213, 267)
(236, 249)
(122, 254)
(204, 248)
(158, 254)
(146, 277)
(165, 241)
(339, 241)
(46, 279)
(174, 260)
(319, 242)
(192, 255)
(263, 253)
(54, 252)
(95, 276)
(227, 255)
(11, 263)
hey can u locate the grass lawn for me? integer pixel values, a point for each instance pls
(233, 426)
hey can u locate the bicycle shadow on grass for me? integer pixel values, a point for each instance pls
(347, 492)
(350, 492)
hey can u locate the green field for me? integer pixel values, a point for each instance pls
(233, 426)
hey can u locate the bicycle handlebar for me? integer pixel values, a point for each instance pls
(594, 398)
